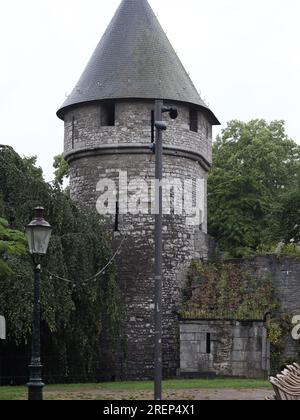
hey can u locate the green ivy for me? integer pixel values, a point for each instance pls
(279, 328)
(11, 242)
(223, 290)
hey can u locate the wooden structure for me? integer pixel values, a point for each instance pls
(287, 384)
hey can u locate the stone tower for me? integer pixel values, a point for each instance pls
(107, 130)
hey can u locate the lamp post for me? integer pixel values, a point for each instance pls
(2, 328)
(38, 234)
(160, 126)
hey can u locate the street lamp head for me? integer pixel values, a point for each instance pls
(38, 233)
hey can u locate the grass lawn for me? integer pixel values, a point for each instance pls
(130, 390)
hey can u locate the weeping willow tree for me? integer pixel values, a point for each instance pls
(11, 242)
(74, 307)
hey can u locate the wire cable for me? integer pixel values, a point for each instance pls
(95, 276)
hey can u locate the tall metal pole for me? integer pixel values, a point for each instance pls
(158, 254)
(35, 385)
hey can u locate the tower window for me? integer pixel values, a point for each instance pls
(152, 127)
(194, 120)
(117, 217)
(108, 115)
(73, 132)
(208, 343)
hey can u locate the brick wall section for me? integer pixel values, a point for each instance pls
(136, 262)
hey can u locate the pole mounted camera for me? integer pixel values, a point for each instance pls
(158, 126)
(172, 110)
(161, 125)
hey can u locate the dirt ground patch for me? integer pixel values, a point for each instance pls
(189, 395)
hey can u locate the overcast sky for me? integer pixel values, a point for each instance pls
(243, 56)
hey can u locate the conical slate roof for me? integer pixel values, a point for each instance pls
(135, 59)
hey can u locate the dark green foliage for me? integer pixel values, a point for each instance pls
(11, 242)
(254, 187)
(32, 168)
(62, 169)
(289, 215)
(72, 313)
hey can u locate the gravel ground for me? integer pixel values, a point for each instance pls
(191, 395)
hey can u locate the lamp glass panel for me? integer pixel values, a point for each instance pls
(38, 239)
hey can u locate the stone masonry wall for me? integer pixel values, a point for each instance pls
(238, 349)
(242, 348)
(136, 262)
(133, 125)
(285, 274)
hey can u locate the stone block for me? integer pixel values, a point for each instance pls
(185, 336)
(255, 356)
(188, 328)
(240, 344)
(239, 356)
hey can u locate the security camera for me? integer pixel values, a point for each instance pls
(173, 114)
(161, 125)
(172, 110)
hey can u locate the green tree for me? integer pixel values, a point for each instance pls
(11, 242)
(74, 311)
(35, 171)
(255, 165)
(62, 169)
(289, 216)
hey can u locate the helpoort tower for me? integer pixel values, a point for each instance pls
(107, 130)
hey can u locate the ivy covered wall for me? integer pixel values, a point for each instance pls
(256, 288)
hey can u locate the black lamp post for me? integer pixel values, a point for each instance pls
(38, 234)
(160, 126)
